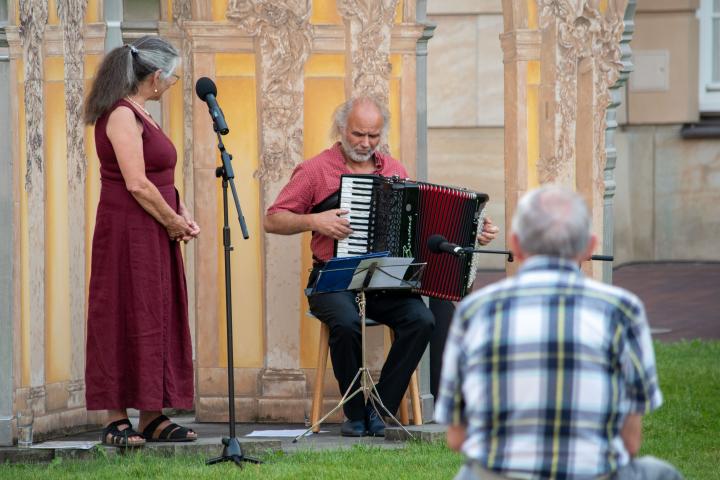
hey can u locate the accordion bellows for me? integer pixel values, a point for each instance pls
(396, 215)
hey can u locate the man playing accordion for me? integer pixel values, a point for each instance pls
(360, 125)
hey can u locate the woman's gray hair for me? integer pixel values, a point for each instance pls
(342, 112)
(552, 220)
(124, 68)
(151, 53)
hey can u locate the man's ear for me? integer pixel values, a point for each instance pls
(515, 247)
(587, 254)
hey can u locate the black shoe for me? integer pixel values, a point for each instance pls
(353, 428)
(373, 422)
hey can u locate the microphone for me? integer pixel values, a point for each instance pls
(207, 91)
(439, 244)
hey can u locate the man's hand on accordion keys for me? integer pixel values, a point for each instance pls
(488, 233)
(332, 223)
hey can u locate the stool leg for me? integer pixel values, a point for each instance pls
(323, 348)
(403, 414)
(414, 391)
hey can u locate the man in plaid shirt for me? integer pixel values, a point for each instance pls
(547, 374)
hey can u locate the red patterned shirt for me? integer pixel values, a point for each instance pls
(316, 179)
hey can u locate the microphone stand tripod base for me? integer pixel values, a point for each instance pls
(232, 452)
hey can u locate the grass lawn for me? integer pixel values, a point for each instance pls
(685, 431)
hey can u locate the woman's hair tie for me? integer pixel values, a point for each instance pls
(132, 48)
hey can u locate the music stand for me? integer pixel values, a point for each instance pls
(375, 271)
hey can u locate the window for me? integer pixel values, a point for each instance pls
(709, 15)
(3, 22)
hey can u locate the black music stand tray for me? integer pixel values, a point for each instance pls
(375, 271)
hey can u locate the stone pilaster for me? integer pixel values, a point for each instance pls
(182, 13)
(72, 14)
(521, 57)
(33, 19)
(7, 248)
(557, 134)
(282, 34)
(421, 65)
(367, 38)
(610, 150)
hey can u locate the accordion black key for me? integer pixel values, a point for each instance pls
(395, 215)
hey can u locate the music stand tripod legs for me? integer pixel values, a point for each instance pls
(367, 384)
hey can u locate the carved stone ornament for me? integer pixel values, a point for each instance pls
(33, 18)
(370, 31)
(72, 14)
(283, 30)
(370, 24)
(182, 12)
(582, 33)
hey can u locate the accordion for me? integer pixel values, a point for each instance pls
(395, 215)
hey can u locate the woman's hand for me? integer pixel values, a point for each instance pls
(178, 228)
(488, 233)
(194, 227)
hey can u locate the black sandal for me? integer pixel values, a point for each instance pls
(121, 438)
(171, 433)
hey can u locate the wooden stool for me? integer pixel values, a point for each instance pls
(323, 349)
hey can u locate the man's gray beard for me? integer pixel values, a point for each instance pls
(354, 156)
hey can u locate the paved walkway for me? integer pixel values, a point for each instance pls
(209, 442)
(682, 299)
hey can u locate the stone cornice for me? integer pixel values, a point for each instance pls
(521, 45)
(53, 40)
(212, 37)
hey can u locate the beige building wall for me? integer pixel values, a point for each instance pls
(668, 188)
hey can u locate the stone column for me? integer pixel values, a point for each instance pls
(610, 150)
(282, 35)
(556, 99)
(7, 248)
(182, 13)
(72, 14)
(521, 56)
(428, 403)
(33, 19)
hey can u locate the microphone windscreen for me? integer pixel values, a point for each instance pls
(204, 86)
(434, 242)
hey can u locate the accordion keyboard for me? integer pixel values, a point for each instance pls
(356, 197)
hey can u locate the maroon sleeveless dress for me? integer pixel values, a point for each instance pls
(139, 352)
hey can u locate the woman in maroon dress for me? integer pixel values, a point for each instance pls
(139, 353)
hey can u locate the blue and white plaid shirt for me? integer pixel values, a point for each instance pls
(543, 368)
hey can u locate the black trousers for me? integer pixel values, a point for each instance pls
(405, 313)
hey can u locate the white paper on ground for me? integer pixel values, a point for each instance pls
(67, 444)
(279, 433)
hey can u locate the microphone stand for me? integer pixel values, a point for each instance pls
(232, 451)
